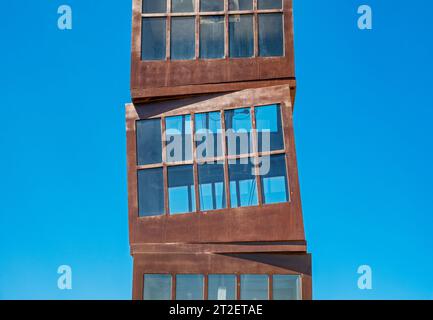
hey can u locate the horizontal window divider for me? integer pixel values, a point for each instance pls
(179, 163)
(271, 153)
(207, 160)
(149, 166)
(209, 13)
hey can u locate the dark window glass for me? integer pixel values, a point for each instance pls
(241, 36)
(182, 5)
(208, 135)
(178, 136)
(271, 42)
(243, 184)
(149, 149)
(189, 287)
(150, 192)
(221, 287)
(254, 287)
(238, 131)
(269, 4)
(182, 38)
(212, 37)
(237, 5)
(157, 287)
(211, 5)
(153, 39)
(274, 179)
(211, 186)
(181, 194)
(286, 287)
(269, 128)
(154, 6)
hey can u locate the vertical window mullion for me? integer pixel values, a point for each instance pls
(255, 156)
(168, 32)
(255, 29)
(226, 29)
(226, 164)
(197, 28)
(195, 165)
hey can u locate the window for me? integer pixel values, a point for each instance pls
(149, 141)
(241, 36)
(271, 42)
(183, 39)
(208, 135)
(157, 287)
(221, 287)
(212, 32)
(243, 185)
(189, 287)
(254, 287)
(178, 138)
(238, 131)
(274, 179)
(181, 192)
(286, 287)
(150, 192)
(211, 186)
(269, 128)
(153, 39)
(212, 37)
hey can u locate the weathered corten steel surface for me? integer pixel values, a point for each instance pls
(150, 79)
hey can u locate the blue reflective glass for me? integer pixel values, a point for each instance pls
(238, 131)
(241, 36)
(154, 6)
(236, 5)
(181, 194)
(274, 179)
(286, 287)
(211, 5)
(153, 39)
(149, 146)
(189, 287)
(212, 37)
(182, 38)
(182, 5)
(243, 184)
(271, 42)
(211, 186)
(269, 4)
(157, 287)
(254, 287)
(208, 135)
(150, 192)
(178, 136)
(269, 128)
(221, 287)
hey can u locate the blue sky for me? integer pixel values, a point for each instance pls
(363, 122)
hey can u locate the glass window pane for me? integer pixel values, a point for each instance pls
(286, 287)
(269, 4)
(149, 149)
(182, 5)
(271, 42)
(211, 5)
(154, 6)
(212, 37)
(181, 194)
(274, 179)
(182, 38)
(189, 287)
(254, 287)
(211, 186)
(237, 5)
(208, 135)
(178, 137)
(241, 36)
(157, 287)
(153, 39)
(243, 184)
(269, 128)
(238, 131)
(150, 192)
(221, 287)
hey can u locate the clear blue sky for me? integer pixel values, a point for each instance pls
(363, 118)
